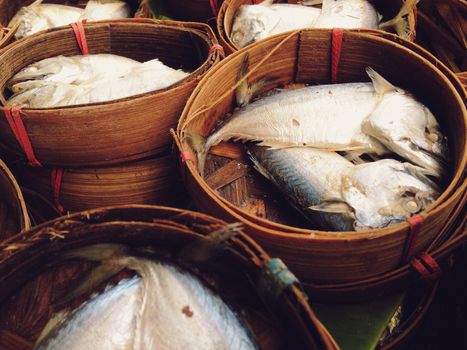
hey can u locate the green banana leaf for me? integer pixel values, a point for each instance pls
(358, 326)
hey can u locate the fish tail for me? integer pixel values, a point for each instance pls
(242, 93)
(36, 3)
(201, 147)
(97, 252)
(208, 247)
(400, 22)
(108, 254)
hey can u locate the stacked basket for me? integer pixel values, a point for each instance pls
(139, 8)
(327, 260)
(229, 9)
(33, 273)
(13, 214)
(121, 147)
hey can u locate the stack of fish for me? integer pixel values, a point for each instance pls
(165, 308)
(256, 22)
(391, 150)
(38, 16)
(65, 81)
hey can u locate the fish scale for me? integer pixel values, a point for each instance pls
(164, 308)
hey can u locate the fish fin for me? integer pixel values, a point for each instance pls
(198, 143)
(35, 4)
(380, 84)
(332, 205)
(242, 91)
(400, 23)
(89, 281)
(311, 2)
(266, 3)
(256, 87)
(354, 157)
(50, 326)
(246, 92)
(207, 247)
(259, 168)
(96, 252)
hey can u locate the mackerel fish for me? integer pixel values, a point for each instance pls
(337, 195)
(66, 81)
(360, 118)
(256, 22)
(38, 16)
(164, 307)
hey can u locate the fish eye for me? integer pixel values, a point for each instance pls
(237, 37)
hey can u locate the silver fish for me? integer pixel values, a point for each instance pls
(97, 10)
(74, 69)
(340, 196)
(307, 177)
(256, 22)
(331, 117)
(66, 81)
(164, 308)
(38, 16)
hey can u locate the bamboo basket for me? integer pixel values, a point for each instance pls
(116, 131)
(229, 10)
(194, 10)
(8, 8)
(150, 181)
(40, 209)
(32, 274)
(304, 57)
(13, 214)
(442, 30)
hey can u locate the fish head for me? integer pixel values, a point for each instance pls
(252, 23)
(409, 129)
(387, 191)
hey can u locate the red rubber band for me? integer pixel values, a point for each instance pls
(257, 1)
(336, 48)
(214, 7)
(218, 48)
(13, 116)
(426, 266)
(416, 223)
(80, 35)
(56, 177)
(186, 156)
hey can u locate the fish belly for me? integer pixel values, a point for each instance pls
(348, 14)
(326, 116)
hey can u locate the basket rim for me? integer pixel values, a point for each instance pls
(25, 222)
(293, 296)
(299, 233)
(201, 30)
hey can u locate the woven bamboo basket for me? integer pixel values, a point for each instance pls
(150, 181)
(32, 276)
(40, 209)
(304, 57)
(116, 131)
(13, 214)
(194, 10)
(229, 10)
(8, 8)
